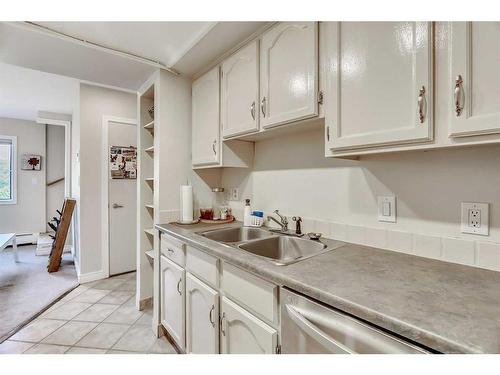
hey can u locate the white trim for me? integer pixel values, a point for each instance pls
(13, 140)
(111, 87)
(91, 276)
(67, 148)
(104, 188)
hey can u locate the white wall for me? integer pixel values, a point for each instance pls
(95, 102)
(28, 215)
(55, 169)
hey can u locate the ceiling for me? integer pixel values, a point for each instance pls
(166, 42)
(185, 46)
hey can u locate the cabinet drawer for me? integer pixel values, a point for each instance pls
(173, 249)
(255, 294)
(202, 265)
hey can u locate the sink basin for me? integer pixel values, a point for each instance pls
(284, 250)
(234, 235)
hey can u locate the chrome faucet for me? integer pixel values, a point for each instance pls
(283, 223)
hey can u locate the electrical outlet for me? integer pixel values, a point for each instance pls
(475, 218)
(234, 194)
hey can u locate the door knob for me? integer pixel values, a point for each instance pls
(116, 205)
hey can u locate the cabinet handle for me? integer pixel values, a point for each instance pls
(252, 110)
(213, 147)
(263, 106)
(178, 286)
(210, 316)
(458, 95)
(421, 105)
(170, 250)
(223, 317)
(328, 133)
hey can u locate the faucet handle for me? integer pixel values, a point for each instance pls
(298, 220)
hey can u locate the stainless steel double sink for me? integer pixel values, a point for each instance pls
(277, 248)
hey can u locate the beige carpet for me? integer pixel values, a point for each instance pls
(26, 288)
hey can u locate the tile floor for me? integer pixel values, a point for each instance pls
(95, 318)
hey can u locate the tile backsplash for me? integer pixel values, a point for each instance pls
(477, 253)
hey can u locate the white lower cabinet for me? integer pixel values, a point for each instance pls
(243, 333)
(202, 317)
(173, 306)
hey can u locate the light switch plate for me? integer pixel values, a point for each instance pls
(475, 218)
(387, 209)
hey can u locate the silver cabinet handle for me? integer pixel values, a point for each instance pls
(223, 317)
(263, 106)
(170, 250)
(210, 316)
(252, 110)
(458, 95)
(315, 333)
(116, 205)
(328, 133)
(422, 105)
(178, 286)
(213, 146)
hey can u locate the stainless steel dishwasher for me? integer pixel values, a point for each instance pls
(310, 327)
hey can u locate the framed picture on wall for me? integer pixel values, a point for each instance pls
(30, 162)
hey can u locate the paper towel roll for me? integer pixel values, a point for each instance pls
(186, 203)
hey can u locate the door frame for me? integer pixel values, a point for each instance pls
(49, 118)
(105, 255)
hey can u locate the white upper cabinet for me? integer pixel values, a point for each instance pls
(379, 84)
(475, 78)
(202, 317)
(172, 305)
(240, 92)
(205, 119)
(289, 73)
(243, 333)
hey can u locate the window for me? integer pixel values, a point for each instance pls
(7, 170)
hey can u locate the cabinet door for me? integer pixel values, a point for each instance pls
(379, 84)
(243, 333)
(475, 78)
(205, 119)
(172, 309)
(202, 317)
(289, 73)
(240, 92)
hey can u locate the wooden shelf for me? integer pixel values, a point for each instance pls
(150, 125)
(150, 149)
(150, 231)
(149, 179)
(150, 254)
(150, 206)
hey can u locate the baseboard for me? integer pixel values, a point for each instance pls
(91, 276)
(146, 302)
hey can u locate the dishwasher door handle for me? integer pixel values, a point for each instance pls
(314, 332)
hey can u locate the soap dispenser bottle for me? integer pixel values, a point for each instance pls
(247, 219)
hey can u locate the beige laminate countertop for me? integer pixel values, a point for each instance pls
(444, 306)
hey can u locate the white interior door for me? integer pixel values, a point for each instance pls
(122, 206)
(172, 308)
(475, 62)
(202, 317)
(243, 333)
(379, 92)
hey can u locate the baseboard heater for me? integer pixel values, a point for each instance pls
(26, 238)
